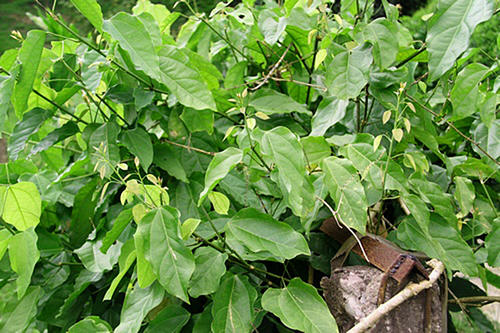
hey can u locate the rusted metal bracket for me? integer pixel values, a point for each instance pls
(380, 253)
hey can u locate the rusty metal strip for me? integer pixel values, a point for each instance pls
(379, 251)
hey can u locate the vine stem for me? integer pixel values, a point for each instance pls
(454, 128)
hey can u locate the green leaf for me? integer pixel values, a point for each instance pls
(21, 205)
(185, 82)
(284, 149)
(167, 159)
(210, 267)
(260, 232)
(138, 303)
(346, 190)
(29, 57)
(465, 93)
(133, 37)
(272, 102)
(23, 255)
(442, 241)
(232, 310)
(450, 29)
(125, 261)
(315, 148)
(172, 262)
(347, 74)
(464, 194)
(6, 91)
(121, 222)
(300, 307)
(91, 10)
(188, 227)
(104, 139)
(418, 210)
(145, 274)
(5, 236)
(198, 120)
(383, 35)
(82, 214)
(24, 312)
(96, 261)
(330, 111)
(220, 202)
(90, 324)
(170, 320)
(493, 245)
(218, 168)
(57, 135)
(139, 143)
(30, 124)
(488, 138)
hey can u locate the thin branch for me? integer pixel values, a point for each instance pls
(63, 110)
(479, 300)
(412, 289)
(271, 72)
(455, 129)
(198, 150)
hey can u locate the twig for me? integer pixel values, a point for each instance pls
(412, 289)
(455, 129)
(198, 150)
(481, 300)
(271, 72)
(59, 107)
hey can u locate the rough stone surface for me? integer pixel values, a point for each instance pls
(351, 294)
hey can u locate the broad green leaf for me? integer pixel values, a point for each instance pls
(220, 202)
(145, 274)
(91, 324)
(23, 255)
(493, 245)
(29, 57)
(57, 135)
(21, 205)
(6, 91)
(160, 13)
(185, 82)
(210, 267)
(382, 33)
(5, 236)
(82, 214)
(418, 210)
(126, 259)
(260, 232)
(84, 279)
(24, 312)
(465, 93)
(167, 159)
(188, 227)
(170, 320)
(347, 74)
(30, 124)
(270, 102)
(284, 149)
(133, 37)
(464, 194)
(218, 168)
(96, 261)
(139, 143)
(198, 120)
(330, 112)
(172, 262)
(138, 302)
(103, 146)
(232, 310)
(442, 241)
(488, 138)
(91, 10)
(300, 307)
(347, 192)
(315, 148)
(121, 222)
(450, 29)
(203, 320)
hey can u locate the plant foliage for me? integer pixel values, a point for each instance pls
(162, 181)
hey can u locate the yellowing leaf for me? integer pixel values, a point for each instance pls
(376, 142)
(397, 134)
(407, 125)
(386, 116)
(219, 201)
